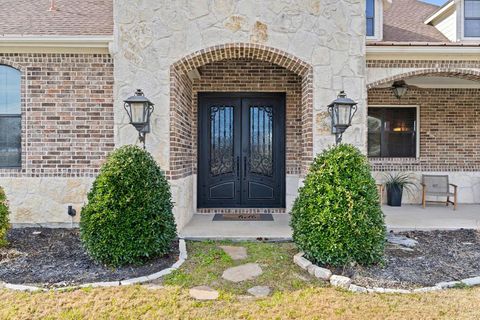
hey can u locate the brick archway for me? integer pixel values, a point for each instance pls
(437, 72)
(183, 132)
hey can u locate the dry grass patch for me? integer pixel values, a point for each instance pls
(174, 303)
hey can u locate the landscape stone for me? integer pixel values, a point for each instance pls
(203, 293)
(259, 291)
(448, 284)
(311, 269)
(323, 273)
(236, 253)
(427, 289)
(241, 273)
(340, 281)
(402, 240)
(472, 281)
(355, 288)
(301, 262)
(403, 291)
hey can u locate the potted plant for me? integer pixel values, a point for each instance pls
(396, 184)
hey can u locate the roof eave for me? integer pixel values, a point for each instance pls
(443, 9)
(67, 41)
(428, 48)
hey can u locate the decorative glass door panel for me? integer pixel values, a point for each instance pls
(221, 140)
(241, 150)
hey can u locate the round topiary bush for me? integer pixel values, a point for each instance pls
(4, 222)
(128, 217)
(336, 218)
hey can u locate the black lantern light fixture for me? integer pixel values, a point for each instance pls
(399, 88)
(139, 110)
(341, 111)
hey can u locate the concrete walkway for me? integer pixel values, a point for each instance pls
(407, 217)
(433, 217)
(201, 227)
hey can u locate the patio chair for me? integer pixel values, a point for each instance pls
(438, 185)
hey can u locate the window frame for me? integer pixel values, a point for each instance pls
(16, 115)
(377, 21)
(462, 23)
(417, 130)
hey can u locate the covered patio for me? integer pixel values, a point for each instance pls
(404, 218)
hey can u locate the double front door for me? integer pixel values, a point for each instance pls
(241, 150)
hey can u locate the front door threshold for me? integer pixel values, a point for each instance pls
(202, 227)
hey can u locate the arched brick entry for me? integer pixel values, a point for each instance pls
(437, 72)
(183, 133)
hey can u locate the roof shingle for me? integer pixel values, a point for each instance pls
(404, 22)
(73, 17)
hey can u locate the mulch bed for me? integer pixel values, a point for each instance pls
(439, 256)
(56, 258)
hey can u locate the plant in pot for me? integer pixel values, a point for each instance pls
(396, 184)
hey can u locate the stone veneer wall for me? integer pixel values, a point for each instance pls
(159, 43)
(67, 131)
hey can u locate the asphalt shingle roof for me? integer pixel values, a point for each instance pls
(404, 22)
(73, 17)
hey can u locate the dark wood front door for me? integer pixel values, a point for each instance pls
(241, 150)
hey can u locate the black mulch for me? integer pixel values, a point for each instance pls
(438, 256)
(56, 257)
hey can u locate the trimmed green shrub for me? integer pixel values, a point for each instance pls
(4, 222)
(128, 218)
(336, 218)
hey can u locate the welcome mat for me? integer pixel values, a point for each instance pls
(243, 217)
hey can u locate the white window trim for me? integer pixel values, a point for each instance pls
(417, 126)
(378, 30)
(461, 22)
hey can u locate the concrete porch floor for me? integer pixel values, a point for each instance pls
(407, 217)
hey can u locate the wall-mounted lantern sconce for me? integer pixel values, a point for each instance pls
(341, 111)
(139, 110)
(399, 88)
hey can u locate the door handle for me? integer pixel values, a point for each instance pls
(238, 166)
(245, 167)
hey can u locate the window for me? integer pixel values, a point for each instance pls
(370, 13)
(472, 18)
(392, 132)
(10, 117)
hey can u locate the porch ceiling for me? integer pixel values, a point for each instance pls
(438, 82)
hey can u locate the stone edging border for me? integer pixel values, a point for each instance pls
(346, 282)
(181, 259)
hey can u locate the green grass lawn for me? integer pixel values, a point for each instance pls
(295, 295)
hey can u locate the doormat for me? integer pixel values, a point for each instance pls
(243, 217)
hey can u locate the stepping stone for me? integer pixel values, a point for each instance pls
(241, 273)
(259, 291)
(402, 240)
(236, 253)
(203, 293)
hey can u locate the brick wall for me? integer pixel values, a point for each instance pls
(449, 129)
(67, 113)
(240, 67)
(243, 75)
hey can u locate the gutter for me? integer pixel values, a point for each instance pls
(424, 48)
(56, 41)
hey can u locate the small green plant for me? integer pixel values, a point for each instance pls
(336, 218)
(128, 218)
(401, 180)
(4, 222)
